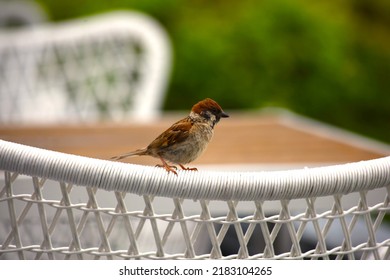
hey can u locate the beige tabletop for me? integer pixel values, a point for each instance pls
(244, 138)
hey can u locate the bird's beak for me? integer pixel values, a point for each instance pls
(224, 115)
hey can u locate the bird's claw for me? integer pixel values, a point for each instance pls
(188, 168)
(166, 166)
(169, 168)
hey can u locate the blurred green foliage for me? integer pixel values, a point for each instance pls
(325, 59)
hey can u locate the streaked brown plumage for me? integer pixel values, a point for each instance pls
(186, 139)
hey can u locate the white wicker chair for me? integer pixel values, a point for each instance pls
(21, 13)
(113, 66)
(61, 206)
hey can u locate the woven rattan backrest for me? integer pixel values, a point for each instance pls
(110, 67)
(59, 206)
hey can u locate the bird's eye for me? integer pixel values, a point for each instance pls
(206, 115)
(215, 111)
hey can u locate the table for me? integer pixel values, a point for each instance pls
(243, 139)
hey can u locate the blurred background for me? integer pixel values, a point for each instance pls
(329, 60)
(325, 60)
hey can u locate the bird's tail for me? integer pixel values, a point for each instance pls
(139, 152)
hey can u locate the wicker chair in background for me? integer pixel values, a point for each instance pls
(108, 67)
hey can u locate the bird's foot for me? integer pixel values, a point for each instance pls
(188, 168)
(167, 167)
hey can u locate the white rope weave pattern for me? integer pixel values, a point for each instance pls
(155, 215)
(71, 70)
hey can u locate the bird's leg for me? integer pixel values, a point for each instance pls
(188, 168)
(167, 167)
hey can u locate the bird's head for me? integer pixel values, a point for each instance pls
(209, 110)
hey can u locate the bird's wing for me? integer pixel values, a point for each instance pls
(177, 133)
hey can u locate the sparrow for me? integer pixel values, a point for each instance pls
(186, 139)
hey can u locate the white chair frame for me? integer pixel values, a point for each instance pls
(113, 66)
(188, 216)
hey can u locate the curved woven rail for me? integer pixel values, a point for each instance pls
(242, 186)
(151, 214)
